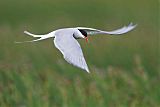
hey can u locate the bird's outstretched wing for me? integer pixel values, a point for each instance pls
(40, 37)
(92, 31)
(71, 50)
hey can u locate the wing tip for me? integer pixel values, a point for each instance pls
(17, 42)
(87, 70)
(132, 25)
(25, 32)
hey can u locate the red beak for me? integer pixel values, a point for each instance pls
(86, 38)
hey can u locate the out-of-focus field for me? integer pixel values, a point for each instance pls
(124, 69)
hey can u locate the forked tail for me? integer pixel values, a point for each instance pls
(40, 37)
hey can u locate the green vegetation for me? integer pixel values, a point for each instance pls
(124, 69)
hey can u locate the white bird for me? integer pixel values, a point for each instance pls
(65, 41)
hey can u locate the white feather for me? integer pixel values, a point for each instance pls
(92, 31)
(40, 37)
(71, 50)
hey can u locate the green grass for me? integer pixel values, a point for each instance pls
(124, 69)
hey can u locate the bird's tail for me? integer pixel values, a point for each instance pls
(40, 37)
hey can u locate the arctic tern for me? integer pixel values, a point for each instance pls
(65, 41)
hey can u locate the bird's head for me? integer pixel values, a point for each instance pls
(82, 34)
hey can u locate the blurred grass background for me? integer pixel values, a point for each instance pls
(124, 69)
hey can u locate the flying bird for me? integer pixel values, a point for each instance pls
(65, 41)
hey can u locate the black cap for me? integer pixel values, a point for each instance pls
(83, 32)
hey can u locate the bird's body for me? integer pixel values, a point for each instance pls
(65, 41)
